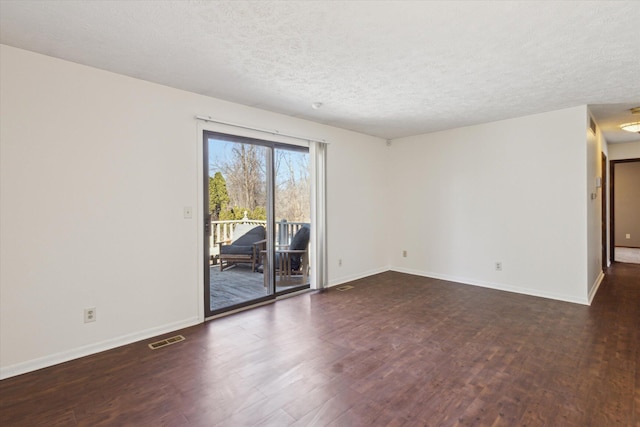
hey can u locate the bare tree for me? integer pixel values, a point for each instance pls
(245, 174)
(244, 168)
(292, 197)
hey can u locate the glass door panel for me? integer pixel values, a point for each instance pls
(292, 213)
(238, 185)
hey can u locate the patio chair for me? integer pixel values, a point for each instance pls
(292, 261)
(248, 241)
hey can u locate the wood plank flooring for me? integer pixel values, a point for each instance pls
(396, 350)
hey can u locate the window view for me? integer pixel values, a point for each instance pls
(238, 190)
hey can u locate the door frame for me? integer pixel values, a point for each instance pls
(272, 293)
(612, 218)
(603, 186)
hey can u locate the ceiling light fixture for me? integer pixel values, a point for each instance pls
(631, 127)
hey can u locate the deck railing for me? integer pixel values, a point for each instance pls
(222, 231)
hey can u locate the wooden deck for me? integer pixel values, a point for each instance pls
(236, 285)
(394, 350)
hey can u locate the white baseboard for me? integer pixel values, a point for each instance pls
(496, 286)
(345, 279)
(595, 287)
(76, 353)
(65, 356)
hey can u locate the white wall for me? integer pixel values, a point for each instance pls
(358, 180)
(512, 191)
(95, 171)
(596, 145)
(624, 150)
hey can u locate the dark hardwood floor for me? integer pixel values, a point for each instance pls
(394, 350)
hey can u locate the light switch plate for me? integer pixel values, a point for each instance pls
(188, 212)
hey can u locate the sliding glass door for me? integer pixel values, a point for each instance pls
(250, 257)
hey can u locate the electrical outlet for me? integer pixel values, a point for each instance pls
(498, 266)
(188, 212)
(627, 236)
(340, 262)
(404, 254)
(89, 315)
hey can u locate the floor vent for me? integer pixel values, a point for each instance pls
(159, 344)
(344, 288)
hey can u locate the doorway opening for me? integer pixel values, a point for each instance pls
(624, 208)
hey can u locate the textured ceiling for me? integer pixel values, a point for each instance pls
(389, 69)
